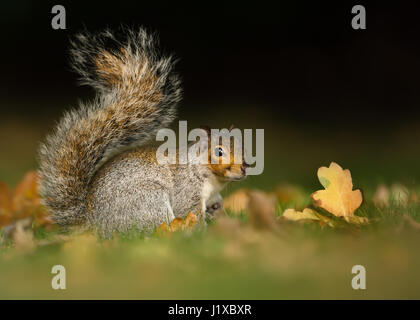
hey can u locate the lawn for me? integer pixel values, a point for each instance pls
(250, 254)
(230, 259)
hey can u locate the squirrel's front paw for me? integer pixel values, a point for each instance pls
(214, 207)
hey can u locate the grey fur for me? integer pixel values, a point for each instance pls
(132, 190)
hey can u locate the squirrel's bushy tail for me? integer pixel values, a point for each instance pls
(137, 95)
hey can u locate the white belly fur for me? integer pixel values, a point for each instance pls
(211, 189)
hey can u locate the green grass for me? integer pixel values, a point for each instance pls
(228, 260)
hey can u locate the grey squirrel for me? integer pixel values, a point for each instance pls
(97, 168)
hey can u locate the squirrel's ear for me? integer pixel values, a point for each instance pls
(206, 128)
(232, 126)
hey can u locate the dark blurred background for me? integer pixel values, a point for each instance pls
(322, 90)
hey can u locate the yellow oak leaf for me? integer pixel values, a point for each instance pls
(294, 215)
(306, 214)
(338, 198)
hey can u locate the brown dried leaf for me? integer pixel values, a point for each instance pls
(178, 224)
(5, 204)
(25, 194)
(398, 194)
(26, 201)
(381, 196)
(23, 237)
(262, 210)
(237, 202)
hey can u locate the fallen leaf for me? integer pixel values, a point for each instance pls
(262, 210)
(307, 214)
(237, 202)
(178, 224)
(399, 194)
(381, 196)
(5, 204)
(25, 196)
(9, 229)
(23, 237)
(294, 215)
(338, 198)
(26, 202)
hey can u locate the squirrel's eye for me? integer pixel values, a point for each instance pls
(218, 152)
